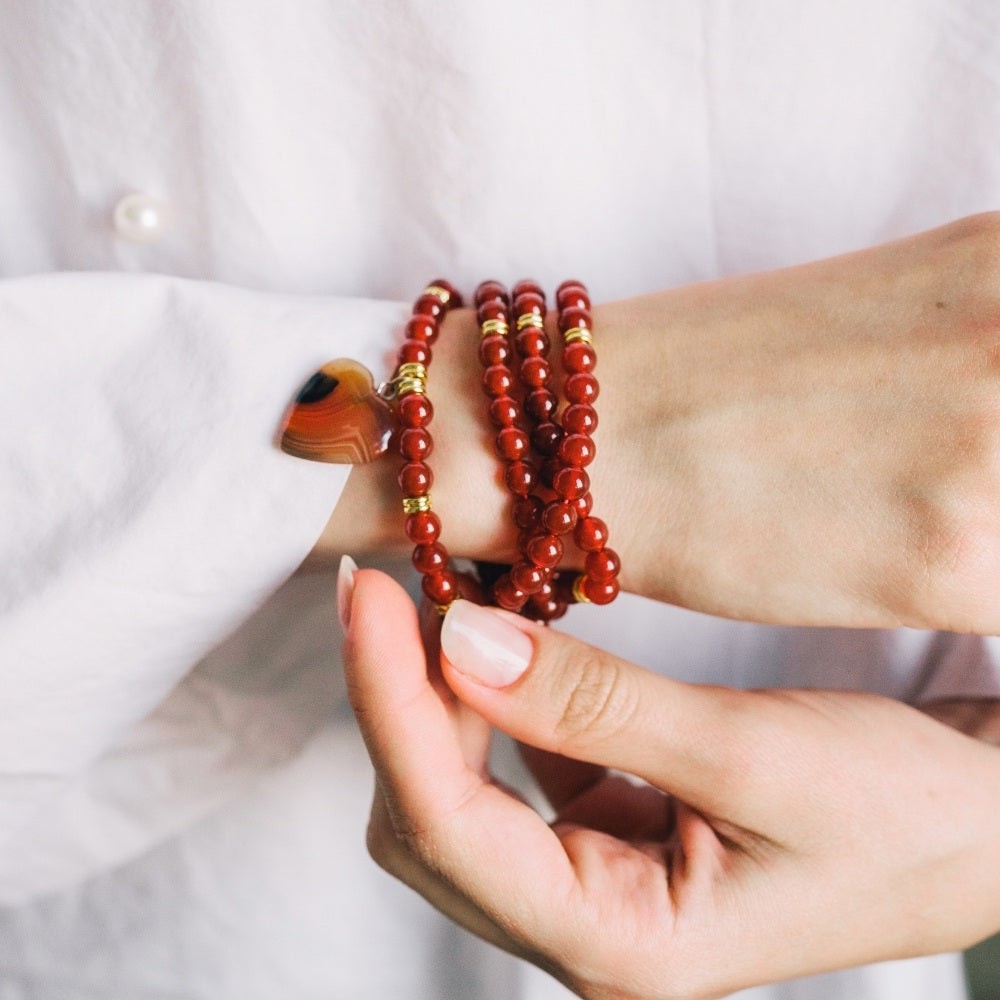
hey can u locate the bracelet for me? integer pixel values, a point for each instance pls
(339, 415)
(415, 444)
(598, 584)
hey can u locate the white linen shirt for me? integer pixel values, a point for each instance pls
(183, 793)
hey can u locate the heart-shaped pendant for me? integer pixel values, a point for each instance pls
(338, 416)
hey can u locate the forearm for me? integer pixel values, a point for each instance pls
(813, 446)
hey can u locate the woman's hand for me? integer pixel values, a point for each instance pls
(816, 445)
(774, 834)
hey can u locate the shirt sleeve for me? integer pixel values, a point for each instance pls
(149, 525)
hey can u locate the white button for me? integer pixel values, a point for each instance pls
(139, 218)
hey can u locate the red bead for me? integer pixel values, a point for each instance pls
(415, 479)
(519, 477)
(540, 404)
(527, 285)
(497, 381)
(488, 290)
(546, 437)
(546, 607)
(571, 293)
(494, 309)
(576, 450)
(580, 418)
(507, 595)
(528, 578)
(573, 317)
(511, 443)
(428, 305)
(559, 517)
(415, 410)
(544, 550)
(574, 298)
(529, 303)
(583, 505)
(527, 510)
(532, 342)
(503, 412)
(423, 528)
(601, 591)
(603, 564)
(421, 328)
(590, 534)
(581, 387)
(414, 350)
(454, 296)
(415, 444)
(494, 349)
(441, 588)
(535, 372)
(431, 557)
(570, 483)
(579, 357)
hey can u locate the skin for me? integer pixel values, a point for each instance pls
(818, 445)
(775, 834)
(810, 446)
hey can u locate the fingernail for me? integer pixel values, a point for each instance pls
(345, 589)
(483, 645)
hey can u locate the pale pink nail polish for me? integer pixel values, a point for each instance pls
(345, 590)
(484, 645)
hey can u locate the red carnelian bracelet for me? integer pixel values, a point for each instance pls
(529, 576)
(532, 584)
(598, 584)
(414, 412)
(340, 416)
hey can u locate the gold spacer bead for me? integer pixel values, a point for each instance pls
(577, 334)
(494, 326)
(442, 609)
(412, 369)
(578, 593)
(442, 294)
(404, 386)
(417, 505)
(530, 319)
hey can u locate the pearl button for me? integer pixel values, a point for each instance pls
(139, 218)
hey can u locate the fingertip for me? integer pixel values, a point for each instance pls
(345, 590)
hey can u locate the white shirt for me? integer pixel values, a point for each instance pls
(182, 790)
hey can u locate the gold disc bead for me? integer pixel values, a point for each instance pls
(417, 505)
(443, 295)
(531, 319)
(578, 334)
(578, 592)
(494, 326)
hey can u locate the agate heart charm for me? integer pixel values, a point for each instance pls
(338, 416)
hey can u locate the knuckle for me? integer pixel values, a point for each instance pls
(598, 698)
(953, 547)
(383, 848)
(395, 844)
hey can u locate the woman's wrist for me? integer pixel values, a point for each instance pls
(813, 446)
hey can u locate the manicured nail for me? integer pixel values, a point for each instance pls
(483, 645)
(345, 590)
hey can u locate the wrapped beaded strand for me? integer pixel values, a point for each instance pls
(414, 443)
(598, 584)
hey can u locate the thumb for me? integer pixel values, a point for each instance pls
(556, 693)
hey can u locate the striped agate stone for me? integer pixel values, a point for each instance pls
(338, 416)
